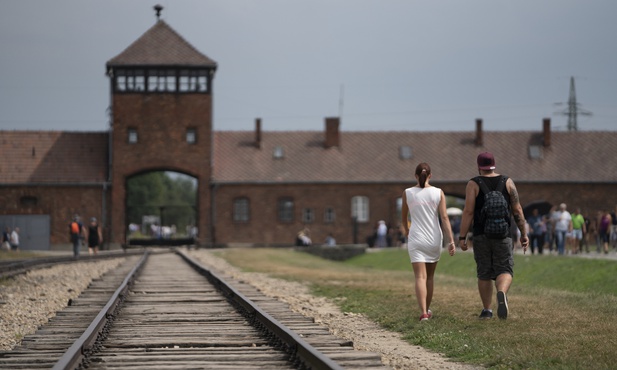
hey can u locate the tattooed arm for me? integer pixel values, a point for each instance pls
(517, 212)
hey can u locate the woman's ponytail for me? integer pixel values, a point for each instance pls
(422, 171)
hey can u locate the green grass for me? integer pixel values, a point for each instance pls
(562, 310)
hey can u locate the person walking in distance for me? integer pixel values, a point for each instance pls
(578, 230)
(94, 236)
(537, 236)
(563, 226)
(75, 232)
(491, 200)
(423, 206)
(15, 240)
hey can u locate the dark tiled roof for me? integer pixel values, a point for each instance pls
(53, 157)
(161, 45)
(374, 156)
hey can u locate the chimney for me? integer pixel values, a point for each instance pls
(546, 124)
(479, 139)
(258, 133)
(332, 132)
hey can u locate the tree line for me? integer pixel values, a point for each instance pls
(169, 195)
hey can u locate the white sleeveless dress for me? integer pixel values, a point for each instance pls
(425, 238)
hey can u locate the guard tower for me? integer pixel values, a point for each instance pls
(161, 118)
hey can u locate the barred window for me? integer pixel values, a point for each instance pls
(329, 215)
(286, 209)
(308, 215)
(241, 210)
(360, 208)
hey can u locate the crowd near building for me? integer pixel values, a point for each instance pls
(259, 187)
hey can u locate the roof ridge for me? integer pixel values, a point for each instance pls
(161, 45)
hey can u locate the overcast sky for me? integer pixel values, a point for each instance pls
(380, 64)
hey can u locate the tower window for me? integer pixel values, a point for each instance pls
(191, 136)
(161, 80)
(193, 81)
(130, 80)
(132, 136)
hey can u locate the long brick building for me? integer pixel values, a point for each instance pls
(259, 187)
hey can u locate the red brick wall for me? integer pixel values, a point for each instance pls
(264, 227)
(161, 122)
(62, 202)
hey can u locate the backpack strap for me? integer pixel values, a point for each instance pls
(500, 185)
(482, 184)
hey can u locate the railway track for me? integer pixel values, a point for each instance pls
(9, 268)
(171, 316)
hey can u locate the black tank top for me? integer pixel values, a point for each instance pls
(491, 183)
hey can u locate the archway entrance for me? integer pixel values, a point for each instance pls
(161, 208)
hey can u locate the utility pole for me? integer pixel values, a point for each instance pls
(573, 109)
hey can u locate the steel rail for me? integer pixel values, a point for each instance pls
(11, 268)
(299, 350)
(73, 357)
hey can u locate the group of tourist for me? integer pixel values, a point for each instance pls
(563, 232)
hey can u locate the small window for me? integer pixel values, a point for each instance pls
(191, 136)
(130, 80)
(278, 152)
(28, 201)
(193, 81)
(132, 136)
(405, 152)
(241, 210)
(308, 215)
(329, 215)
(535, 152)
(286, 209)
(360, 208)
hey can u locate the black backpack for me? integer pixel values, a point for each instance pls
(495, 212)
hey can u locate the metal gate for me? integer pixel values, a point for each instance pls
(34, 230)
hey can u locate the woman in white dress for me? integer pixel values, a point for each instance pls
(423, 206)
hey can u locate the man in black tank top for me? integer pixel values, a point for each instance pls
(493, 256)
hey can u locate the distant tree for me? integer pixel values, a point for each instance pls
(171, 197)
